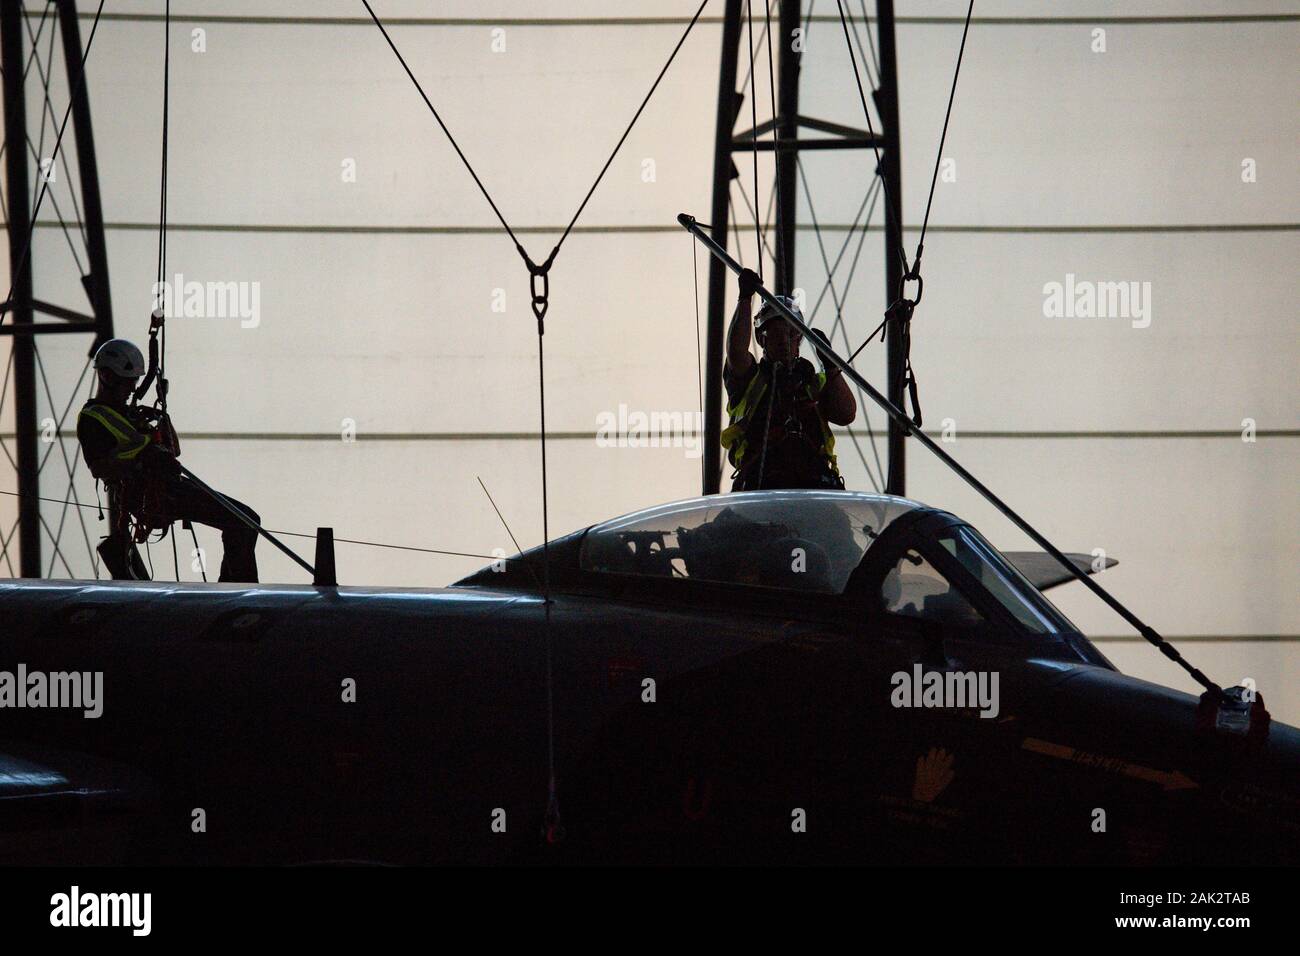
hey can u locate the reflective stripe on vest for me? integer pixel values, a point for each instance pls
(735, 432)
(129, 441)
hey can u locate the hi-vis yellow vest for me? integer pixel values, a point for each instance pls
(735, 437)
(130, 442)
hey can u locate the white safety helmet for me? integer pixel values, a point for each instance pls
(121, 358)
(766, 314)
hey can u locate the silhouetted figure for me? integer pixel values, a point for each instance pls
(780, 407)
(125, 451)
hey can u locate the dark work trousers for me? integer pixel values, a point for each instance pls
(189, 502)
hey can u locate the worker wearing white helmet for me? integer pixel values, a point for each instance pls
(780, 408)
(122, 450)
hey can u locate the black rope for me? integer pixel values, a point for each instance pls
(31, 226)
(451, 139)
(767, 426)
(176, 561)
(782, 260)
(654, 86)
(866, 28)
(553, 828)
(198, 552)
(952, 93)
(753, 134)
(162, 176)
(157, 321)
(753, 211)
(291, 534)
(753, 58)
(862, 96)
(735, 227)
(540, 289)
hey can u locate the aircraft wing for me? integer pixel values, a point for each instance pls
(1044, 571)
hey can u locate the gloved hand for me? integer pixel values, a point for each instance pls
(819, 340)
(748, 282)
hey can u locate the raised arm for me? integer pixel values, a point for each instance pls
(836, 399)
(739, 334)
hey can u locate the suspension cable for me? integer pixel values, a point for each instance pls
(290, 534)
(753, 133)
(162, 221)
(862, 97)
(782, 265)
(451, 139)
(952, 93)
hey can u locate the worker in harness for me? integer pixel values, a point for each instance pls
(780, 407)
(133, 450)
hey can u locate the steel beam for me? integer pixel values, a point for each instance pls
(886, 98)
(722, 169)
(20, 272)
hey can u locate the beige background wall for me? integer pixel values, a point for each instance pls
(376, 296)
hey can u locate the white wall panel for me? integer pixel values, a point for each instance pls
(368, 312)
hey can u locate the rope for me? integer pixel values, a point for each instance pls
(451, 139)
(767, 427)
(699, 360)
(871, 44)
(291, 534)
(654, 86)
(862, 97)
(552, 828)
(753, 134)
(199, 551)
(952, 93)
(161, 303)
(783, 260)
(540, 304)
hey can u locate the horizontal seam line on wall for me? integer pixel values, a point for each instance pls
(1134, 20)
(666, 435)
(665, 228)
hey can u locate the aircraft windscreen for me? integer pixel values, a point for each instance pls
(795, 540)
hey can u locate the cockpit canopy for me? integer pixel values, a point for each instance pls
(795, 540)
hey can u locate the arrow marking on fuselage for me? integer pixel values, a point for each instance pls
(1168, 779)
